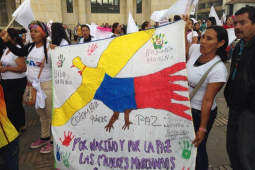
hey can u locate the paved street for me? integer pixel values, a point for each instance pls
(31, 158)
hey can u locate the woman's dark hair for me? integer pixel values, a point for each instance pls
(177, 18)
(14, 34)
(90, 37)
(248, 9)
(58, 33)
(213, 20)
(228, 16)
(145, 24)
(222, 34)
(114, 26)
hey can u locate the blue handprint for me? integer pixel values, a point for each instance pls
(58, 154)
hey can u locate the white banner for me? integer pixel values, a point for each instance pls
(123, 103)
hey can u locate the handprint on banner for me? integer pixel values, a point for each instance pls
(184, 168)
(67, 138)
(91, 49)
(61, 60)
(186, 149)
(65, 157)
(58, 154)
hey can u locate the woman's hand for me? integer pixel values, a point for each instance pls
(52, 46)
(200, 135)
(3, 69)
(5, 36)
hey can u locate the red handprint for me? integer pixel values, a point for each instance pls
(67, 139)
(91, 49)
(184, 168)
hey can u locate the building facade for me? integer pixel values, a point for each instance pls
(233, 5)
(86, 11)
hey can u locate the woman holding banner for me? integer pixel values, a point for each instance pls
(36, 52)
(205, 83)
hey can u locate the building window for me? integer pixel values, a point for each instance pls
(6, 10)
(138, 6)
(105, 6)
(69, 6)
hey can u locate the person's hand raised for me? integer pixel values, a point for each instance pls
(4, 35)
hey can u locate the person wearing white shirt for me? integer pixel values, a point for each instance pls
(204, 110)
(36, 52)
(13, 71)
(192, 36)
(86, 37)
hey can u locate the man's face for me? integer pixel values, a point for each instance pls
(244, 29)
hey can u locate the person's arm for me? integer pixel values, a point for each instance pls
(211, 91)
(21, 66)
(23, 51)
(187, 45)
(13, 48)
(194, 40)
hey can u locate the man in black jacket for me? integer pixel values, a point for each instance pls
(240, 93)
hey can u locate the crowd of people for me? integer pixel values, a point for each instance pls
(207, 48)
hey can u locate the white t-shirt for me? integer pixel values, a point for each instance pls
(8, 60)
(64, 42)
(217, 74)
(82, 40)
(34, 61)
(191, 35)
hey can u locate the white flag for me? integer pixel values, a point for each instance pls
(214, 14)
(24, 15)
(223, 18)
(131, 27)
(157, 15)
(180, 7)
(231, 35)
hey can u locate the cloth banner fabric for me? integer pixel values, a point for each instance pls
(131, 27)
(123, 103)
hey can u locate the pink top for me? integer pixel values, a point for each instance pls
(104, 29)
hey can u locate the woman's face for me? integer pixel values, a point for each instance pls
(23, 36)
(230, 21)
(36, 35)
(85, 32)
(189, 24)
(208, 23)
(196, 26)
(148, 26)
(118, 29)
(209, 42)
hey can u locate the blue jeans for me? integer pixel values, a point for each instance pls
(9, 156)
(241, 139)
(202, 157)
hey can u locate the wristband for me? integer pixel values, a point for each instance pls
(203, 130)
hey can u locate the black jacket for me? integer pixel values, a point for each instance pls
(240, 92)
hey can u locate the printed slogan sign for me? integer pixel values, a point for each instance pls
(122, 103)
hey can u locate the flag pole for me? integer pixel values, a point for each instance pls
(10, 23)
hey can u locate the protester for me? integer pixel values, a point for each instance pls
(177, 18)
(66, 30)
(204, 110)
(192, 36)
(35, 53)
(240, 93)
(58, 34)
(9, 140)
(116, 29)
(170, 20)
(229, 22)
(86, 34)
(75, 35)
(79, 32)
(146, 25)
(210, 21)
(203, 26)
(13, 71)
(123, 29)
(196, 27)
(156, 24)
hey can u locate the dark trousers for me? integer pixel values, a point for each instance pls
(202, 157)
(9, 156)
(13, 91)
(241, 139)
